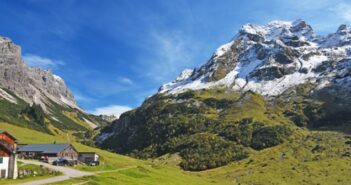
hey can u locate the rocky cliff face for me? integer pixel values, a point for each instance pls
(38, 99)
(272, 58)
(30, 84)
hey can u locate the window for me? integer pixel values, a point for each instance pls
(1, 160)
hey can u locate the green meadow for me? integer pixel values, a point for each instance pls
(308, 157)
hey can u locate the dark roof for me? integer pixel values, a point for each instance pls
(4, 132)
(44, 148)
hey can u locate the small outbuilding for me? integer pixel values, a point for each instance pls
(89, 158)
(48, 152)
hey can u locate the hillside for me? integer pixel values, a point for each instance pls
(268, 89)
(37, 107)
(298, 162)
(114, 168)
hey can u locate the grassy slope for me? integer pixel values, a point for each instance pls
(295, 162)
(290, 163)
(317, 157)
(298, 161)
(136, 171)
(308, 157)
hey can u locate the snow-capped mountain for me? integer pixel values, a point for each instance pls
(270, 59)
(33, 85)
(266, 82)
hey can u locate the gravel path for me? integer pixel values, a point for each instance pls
(67, 173)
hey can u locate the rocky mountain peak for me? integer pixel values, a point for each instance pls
(271, 58)
(342, 37)
(276, 30)
(185, 74)
(33, 85)
(343, 29)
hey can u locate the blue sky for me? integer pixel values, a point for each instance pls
(114, 53)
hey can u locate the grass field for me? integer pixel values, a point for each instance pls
(42, 173)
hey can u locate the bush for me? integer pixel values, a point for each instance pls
(269, 136)
(240, 132)
(206, 151)
(35, 113)
(220, 104)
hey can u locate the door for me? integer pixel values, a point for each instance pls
(3, 173)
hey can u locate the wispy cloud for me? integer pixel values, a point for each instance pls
(125, 80)
(170, 52)
(43, 62)
(115, 110)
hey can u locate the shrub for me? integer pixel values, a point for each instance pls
(36, 113)
(206, 151)
(240, 132)
(269, 136)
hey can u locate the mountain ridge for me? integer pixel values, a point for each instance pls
(38, 99)
(290, 51)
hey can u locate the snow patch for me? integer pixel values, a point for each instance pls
(91, 124)
(54, 118)
(58, 78)
(185, 74)
(69, 103)
(314, 61)
(223, 49)
(278, 86)
(102, 137)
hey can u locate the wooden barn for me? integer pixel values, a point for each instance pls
(8, 156)
(48, 152)
(89, 158)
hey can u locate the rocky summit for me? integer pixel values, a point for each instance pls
(272, 58)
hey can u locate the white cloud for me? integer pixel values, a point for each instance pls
(343, 10)
(38, 61)
(126, 80)
(115, 110)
